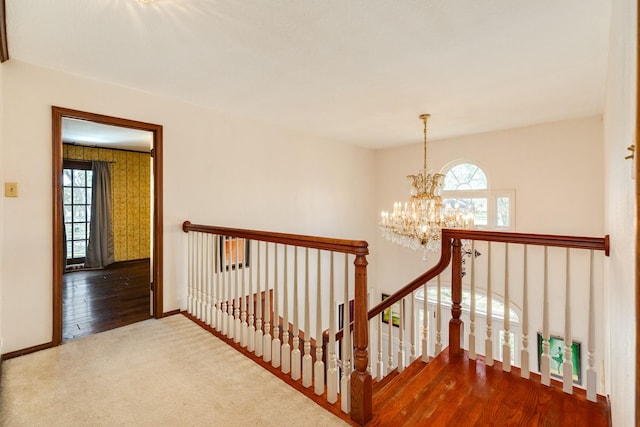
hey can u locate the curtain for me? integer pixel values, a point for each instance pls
(100, 246)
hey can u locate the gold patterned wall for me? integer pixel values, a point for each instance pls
(131, 195)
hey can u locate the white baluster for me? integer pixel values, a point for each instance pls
(237, 332)
(332, 371)
(592, 376)
(286, 348)
(307, 366)
(295, 354)
(345, 382)
(196, 275)
(209, 307)
(218, 283)
(266, 346)
(567, 366)
(545, 362)
(225, 295)
(506, 347)
(251, 301)
(524, 352)
(230, 320)
(390, 341)
(488, 343)
(201, 303)
(190, 279)
(259, 302)
(379, 363)
(318, 378)
(244, 328)
(425, 325)
(412, 346)
(438, 319)
(472, 308)
(275, 343)
(401, 355)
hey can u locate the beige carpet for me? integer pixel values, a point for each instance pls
(165, 372)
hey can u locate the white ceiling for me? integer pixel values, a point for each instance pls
(87, 133)
(357, 71)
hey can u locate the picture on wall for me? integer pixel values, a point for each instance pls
(393, 312)
(234, 252)
(556, 355)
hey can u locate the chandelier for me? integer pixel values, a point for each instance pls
(418, 223)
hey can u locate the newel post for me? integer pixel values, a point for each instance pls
(455, 324)
(361, 404)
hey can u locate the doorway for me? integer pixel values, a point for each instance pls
(121, 273)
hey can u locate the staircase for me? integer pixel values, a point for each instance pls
(456, 391)
(412, 360)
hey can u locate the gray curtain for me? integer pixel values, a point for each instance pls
(100, 247)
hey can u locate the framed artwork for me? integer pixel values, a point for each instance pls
(556, 355)
(234, 252)
(393, 312)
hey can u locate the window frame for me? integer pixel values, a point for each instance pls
(489, 194)
(74, 164)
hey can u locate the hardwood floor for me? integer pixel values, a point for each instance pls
(98, 300)
(461, 392)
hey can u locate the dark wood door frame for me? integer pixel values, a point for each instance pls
(57, 114)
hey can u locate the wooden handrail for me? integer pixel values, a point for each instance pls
(578, 242)
(361, 384)
(355, 247)
(445, 258)
(451, 242)
(449, 234)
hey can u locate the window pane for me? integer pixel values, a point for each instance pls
(89, 195)
(79, 231)
(66, 177)
(503, 212)
(79, 248)
(476, 206)
(465, 176)
(67, 213)
(79, 213)
(66, 196)
(69, 250)
(68, 228)
(79, 178)
(79, 196)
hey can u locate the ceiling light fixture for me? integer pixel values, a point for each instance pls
(419, 223)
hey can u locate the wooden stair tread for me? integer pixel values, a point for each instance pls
(458, 391)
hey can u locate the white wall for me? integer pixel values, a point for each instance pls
(620, 203)
(218, 169)
(555, 169)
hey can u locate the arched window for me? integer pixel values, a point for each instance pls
(466, 187)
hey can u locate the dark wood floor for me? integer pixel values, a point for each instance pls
(456, 391)
(98, 300)
(462, 393)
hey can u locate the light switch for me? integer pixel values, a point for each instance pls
(10, 189)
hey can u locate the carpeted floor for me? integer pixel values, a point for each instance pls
(166, 372)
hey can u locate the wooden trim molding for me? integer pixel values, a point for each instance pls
(636, 159)
(28, 350)
(4, 44)
(58, 113)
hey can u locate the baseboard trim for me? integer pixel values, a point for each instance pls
(27, 350)
(171, 313)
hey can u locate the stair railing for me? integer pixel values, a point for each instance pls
(548, 262)
(274, 294)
